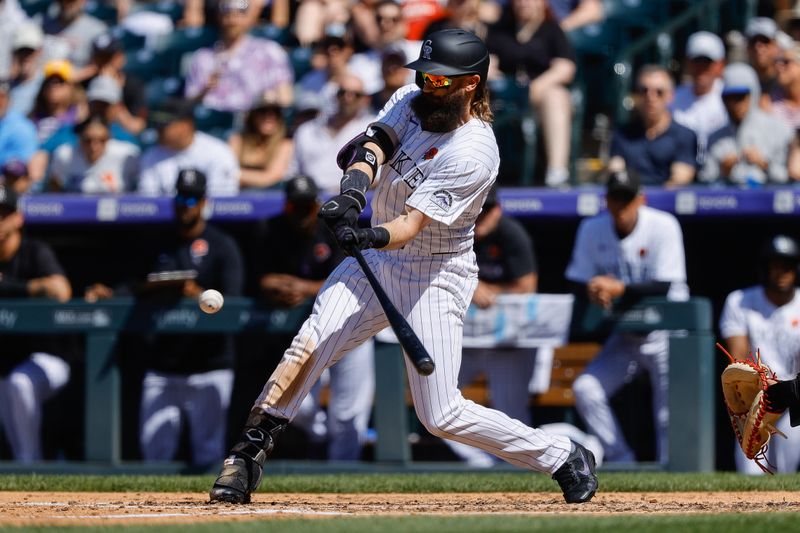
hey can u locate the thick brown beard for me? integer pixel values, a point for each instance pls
(440, 113)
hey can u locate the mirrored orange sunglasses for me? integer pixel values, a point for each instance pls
(437, 81)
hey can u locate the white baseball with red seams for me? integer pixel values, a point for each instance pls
(431, 280)
(211, 301)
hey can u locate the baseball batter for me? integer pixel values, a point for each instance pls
(767, 317)
(432, 156)
(632, 250)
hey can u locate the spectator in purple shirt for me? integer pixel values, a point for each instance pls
(239, 68)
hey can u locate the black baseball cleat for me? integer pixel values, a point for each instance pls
(576, 476)
(239, 477)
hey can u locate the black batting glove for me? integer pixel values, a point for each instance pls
(350, 238)
(340, 210)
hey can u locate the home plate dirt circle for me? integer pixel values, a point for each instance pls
(70, 508)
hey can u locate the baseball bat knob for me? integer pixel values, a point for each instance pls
(425, 366)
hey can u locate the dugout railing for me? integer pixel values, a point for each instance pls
(691, 437)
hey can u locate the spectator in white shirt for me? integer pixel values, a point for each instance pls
(181, 146)
(97, 165)
(698, 103)
(317, 142)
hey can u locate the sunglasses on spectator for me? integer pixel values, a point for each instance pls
(644, 90)
(186, 201)
(348, 92)
(437, 81)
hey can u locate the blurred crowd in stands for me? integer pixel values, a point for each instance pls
(198, 99)
(112, 96)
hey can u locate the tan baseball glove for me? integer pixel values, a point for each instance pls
(743, 386)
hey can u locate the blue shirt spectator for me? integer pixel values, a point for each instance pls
(659, 149)
(653, 158)
(17, 133)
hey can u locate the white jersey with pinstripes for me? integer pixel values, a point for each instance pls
(444, 175)
(431, 281)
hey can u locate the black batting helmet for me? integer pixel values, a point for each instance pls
(452, 52)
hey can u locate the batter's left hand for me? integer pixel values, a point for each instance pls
(350, 238)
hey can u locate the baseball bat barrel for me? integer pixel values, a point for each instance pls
(411, 344)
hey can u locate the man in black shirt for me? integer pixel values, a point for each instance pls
(299, 253)
(29, 374)
(189, 378)
(192, 376)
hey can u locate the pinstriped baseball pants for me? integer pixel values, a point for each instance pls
(433, 293)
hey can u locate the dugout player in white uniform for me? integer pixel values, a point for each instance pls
(432, 156)
(631, 250)
(766, 317)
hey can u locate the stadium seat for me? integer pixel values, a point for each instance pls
(160, 89)
(101, 10)
(147, 65)
(300, 58)
(131, 42)
(35, 7)
(514, 129)
(184, 40)
(272, 32)
(211, 120)
(173, 10)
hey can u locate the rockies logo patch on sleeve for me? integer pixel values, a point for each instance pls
(443, 199)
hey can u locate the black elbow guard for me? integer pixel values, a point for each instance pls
(354, 151)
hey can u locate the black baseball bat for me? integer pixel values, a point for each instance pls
(411, 344)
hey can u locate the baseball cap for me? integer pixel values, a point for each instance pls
(191, 182)
(761, 26)
(171, 110)
(705, 44)
(28, 36)
(14, 168)
(300, 189)
(104, 89)
(58, 67)
(8, 198)
(738, 78)
(623, 184)
(106, 44)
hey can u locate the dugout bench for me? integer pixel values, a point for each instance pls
(691, 441)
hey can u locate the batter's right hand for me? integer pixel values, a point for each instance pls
(340, 210)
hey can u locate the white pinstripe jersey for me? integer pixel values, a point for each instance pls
(445, 175)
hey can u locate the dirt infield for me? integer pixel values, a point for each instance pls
(70, 508)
